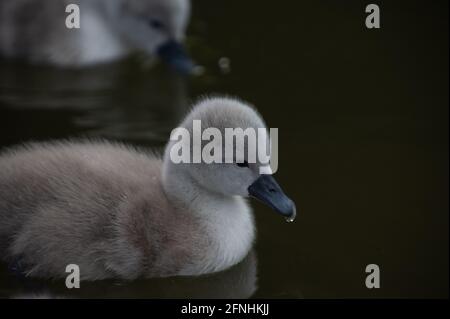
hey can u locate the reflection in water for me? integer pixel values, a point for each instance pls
(240, 281)
(120, 100)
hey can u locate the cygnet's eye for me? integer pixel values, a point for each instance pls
(244, 164)
(156, 24)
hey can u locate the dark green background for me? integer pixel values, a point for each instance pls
(363, 127)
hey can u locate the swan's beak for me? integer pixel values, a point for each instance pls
(267, 190)
(174, 54)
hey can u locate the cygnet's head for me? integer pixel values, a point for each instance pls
(226, 174)
(156, 27)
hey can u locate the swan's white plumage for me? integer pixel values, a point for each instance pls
(36, 30)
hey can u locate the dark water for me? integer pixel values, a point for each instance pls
(363, 128)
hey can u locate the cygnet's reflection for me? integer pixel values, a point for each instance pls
(239, 281)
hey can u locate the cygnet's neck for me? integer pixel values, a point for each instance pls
(226, 220)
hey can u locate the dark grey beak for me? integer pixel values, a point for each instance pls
(174, 54)
(267, 190)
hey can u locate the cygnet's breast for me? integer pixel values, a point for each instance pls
(229, 231)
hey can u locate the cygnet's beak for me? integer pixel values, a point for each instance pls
(267, 190)
(175, 55)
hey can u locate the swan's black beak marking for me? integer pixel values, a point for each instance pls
(267, 190)
(174, 54)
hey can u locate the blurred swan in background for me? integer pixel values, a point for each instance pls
(109, 29)
(119, 212)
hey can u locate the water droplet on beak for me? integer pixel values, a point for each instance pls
(291, 218)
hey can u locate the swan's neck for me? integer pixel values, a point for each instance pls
(226, 222)
(99, 39)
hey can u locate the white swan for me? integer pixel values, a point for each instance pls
(109, 29)
(117, 211)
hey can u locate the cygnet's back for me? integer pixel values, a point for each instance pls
(98, 205)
